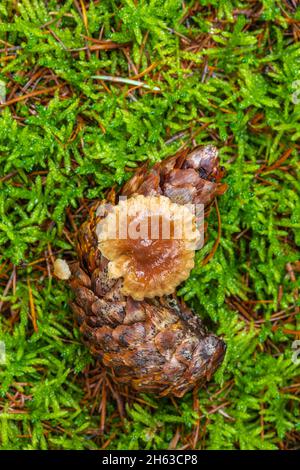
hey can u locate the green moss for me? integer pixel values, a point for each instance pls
(225, 77)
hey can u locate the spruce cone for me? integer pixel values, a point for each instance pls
(155, 344)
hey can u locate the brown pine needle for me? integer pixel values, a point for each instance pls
(282, 159)
(144, 72)
(7, 287)
(32, 307)
(104, 44)
(43, 91)
(216, 244)
(84, 15)
(103, 408)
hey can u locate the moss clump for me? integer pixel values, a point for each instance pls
(227, 74)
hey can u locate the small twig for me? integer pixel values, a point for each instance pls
(128, 81)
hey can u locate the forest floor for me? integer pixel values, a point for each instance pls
(223, 72)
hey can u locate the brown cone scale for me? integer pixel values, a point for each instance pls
(154, 345)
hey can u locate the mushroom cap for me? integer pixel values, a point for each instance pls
(150, 242)
(61, 269)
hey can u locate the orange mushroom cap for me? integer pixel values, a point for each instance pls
(150, 243)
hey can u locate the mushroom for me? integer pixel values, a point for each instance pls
(61, 269)
(150, 242)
